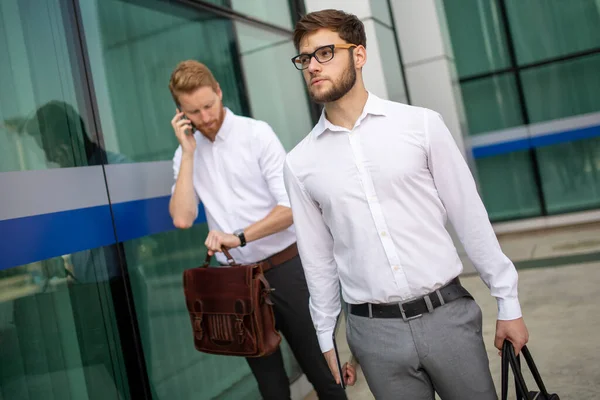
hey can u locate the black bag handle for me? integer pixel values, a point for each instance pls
(509, 357)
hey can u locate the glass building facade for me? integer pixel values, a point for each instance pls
(529, 79)
(91, 300)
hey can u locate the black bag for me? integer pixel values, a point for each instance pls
(508, 357)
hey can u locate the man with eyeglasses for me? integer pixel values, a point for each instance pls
(371, 188)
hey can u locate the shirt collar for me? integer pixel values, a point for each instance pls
(373, 106)
(225, 130)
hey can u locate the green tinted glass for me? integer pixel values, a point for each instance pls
(508, 186)
(544, 29)
(40, 124)
(478, 36)
(58, 326)
(562, 89)
(571, 175)
(491, 104)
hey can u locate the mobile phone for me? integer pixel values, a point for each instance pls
(337, 355)
(185, 117)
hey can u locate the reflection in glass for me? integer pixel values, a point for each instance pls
(266, 60)
(562, 89)
(571, 175)
(508, 186)
(491, 104)
(36, 68)
(134, 47)
(478, 36)
(60, 334)
(544, 29)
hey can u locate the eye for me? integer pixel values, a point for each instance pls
(304, 59)
(324, 54)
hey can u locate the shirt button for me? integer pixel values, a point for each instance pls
(396, 268)
(384, 234)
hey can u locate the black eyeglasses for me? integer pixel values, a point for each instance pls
(322, 54)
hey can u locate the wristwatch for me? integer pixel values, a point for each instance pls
(240, 234)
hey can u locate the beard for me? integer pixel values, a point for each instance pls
(213, 129)
(342, 86)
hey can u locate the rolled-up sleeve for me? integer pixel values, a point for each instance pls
(458, 192)
(315, 245)
(272, 158)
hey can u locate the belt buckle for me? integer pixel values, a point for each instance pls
(404, 317)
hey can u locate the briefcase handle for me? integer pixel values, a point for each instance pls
(509, 358)
(230, 259)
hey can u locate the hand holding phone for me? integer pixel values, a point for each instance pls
(183, 128)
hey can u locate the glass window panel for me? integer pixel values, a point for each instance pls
(562, 89)
(133, 51)
(545, 29)
(40, 125)
(381, 11)
(571, 175)
(390, 61)
(478, 36)
(59, 330)
(276, 12)
(276, 89)
(491, 104)
(508, 186)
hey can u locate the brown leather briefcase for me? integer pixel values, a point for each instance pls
(230, 309)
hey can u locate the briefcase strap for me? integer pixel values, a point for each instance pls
(230, 259)
(509, 358)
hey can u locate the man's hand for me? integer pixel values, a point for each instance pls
(216, 240)
(184, 132)
(513, 330)
(349, 373)
(332, 362)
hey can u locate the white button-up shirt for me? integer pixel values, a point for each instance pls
(239, 179)
(370, 207)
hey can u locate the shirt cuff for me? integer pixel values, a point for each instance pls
(326, 340)
(509, 309)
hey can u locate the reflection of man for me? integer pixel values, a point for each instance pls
(61, 133)
(234, 164)
(371, 189)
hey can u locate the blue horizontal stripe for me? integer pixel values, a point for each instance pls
(29, 239)
(135, 219)
(536, 141)
(501, 148)
(564, 137)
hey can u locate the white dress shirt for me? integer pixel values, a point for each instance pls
(239, 180)
(370, 207)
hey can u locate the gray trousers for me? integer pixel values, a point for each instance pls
(441, 352)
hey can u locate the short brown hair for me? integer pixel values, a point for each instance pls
(190, 75)
(348, 26)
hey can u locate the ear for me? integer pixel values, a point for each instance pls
(360, 56)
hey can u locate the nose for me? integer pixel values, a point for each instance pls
(205, 115)
(314, 65)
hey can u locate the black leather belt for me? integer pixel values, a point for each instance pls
(414, 308)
